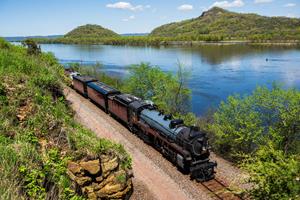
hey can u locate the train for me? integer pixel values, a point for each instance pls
(185, 146)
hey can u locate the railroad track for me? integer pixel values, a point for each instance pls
(220, 190)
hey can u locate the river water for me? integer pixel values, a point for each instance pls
(215, 71)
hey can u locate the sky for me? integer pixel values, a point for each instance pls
(57, 17)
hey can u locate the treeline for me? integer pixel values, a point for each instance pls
(213, 25)
(260, 132)
(158, 41)
(232, 26)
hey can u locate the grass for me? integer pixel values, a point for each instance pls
(38, 134)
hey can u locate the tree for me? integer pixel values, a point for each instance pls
(245, 124)
(32, 47)
(273, 175)
(181, 92)
(168, 91)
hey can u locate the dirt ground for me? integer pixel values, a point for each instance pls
(154, 176)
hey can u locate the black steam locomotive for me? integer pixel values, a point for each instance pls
(184, 146)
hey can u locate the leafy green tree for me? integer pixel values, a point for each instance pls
(168, 91)
(32, 47)
(273, 174)
(245, 124)
(3, 44)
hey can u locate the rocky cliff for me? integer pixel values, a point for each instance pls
(101, 177)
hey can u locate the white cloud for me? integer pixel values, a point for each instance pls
(131, 17)
(227, 4)
(185, 7)
(263, 1)
(120, 5)
(125, 6)
(290, 5)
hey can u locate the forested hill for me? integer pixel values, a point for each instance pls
(215, 24)
(90, 31)
(224, 24)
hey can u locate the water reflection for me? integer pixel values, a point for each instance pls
(216, 71)
(215, 55)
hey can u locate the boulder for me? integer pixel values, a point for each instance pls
(108, 165)
(71, 175)
(109, 189)
(92, 166)
(83, 180)
(123, 194)
(109, 179)
(74, 167)
(101, 178)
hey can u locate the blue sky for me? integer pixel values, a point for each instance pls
(49, 17)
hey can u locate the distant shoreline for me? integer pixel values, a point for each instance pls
(188, 43)
(169, 43)
(237, 42)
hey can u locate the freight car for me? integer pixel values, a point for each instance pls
(185, 146)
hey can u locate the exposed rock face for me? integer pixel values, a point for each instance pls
(101, 178)
(93, 166)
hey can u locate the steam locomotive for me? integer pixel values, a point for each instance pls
(185, 146)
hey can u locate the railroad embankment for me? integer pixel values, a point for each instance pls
(44, 153)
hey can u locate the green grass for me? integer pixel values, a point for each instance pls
(38, 134)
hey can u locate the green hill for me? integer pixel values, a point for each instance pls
(90, 31)
(222, 24)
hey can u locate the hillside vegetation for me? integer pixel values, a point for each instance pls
(90, 31)
(215, 24)
(223, 24)
(40, 143)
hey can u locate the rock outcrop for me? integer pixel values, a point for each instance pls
(101, 178)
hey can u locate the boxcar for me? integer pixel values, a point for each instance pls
(99, 92)
(118, 106)
(80, 83)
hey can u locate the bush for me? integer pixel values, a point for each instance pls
(32, 47)
(273, 174)
(245, 124)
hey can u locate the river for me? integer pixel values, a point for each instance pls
(215, 71)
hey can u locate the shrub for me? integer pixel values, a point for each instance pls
(32, 47)
(245, 124)
(273, 174)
